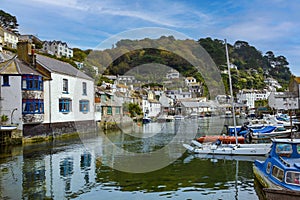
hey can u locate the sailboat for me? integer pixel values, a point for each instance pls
(218, 148)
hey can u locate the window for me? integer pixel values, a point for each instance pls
(284, 149)
(103, 98)
(5, 80)
(32, 106)
(298, 148)
(84, 90)
(292, 178)
(268, 167)
(118, 110)
(84, 106)
(277, 173)
(32, 82)
(109, 110)
(65, 86)
(65, 105)
(98, 108)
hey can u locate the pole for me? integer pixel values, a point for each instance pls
(291, 124)
(231, 92)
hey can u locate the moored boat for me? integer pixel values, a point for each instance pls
(245, 130)
(281, 170)
(279, 132)
(274, 194)
(225, 139)
(146, 120)
(178, 117)
(228, 149)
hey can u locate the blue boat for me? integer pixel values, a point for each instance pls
(146, 119)
(280, 172)
(242, 131)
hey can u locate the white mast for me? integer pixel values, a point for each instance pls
(231, 93)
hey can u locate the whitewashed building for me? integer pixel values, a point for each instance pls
(283, 101)
(178, 94)
(190, 80)
(58, 48)
(248, 97)
(44, 96)
(21, 93)
(69, 94)
(8, 38)
(272, 84)
(172, 74)
(150, 106)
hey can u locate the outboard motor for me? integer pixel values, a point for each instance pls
(243, 128)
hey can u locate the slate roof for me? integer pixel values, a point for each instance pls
(60, 67)
(190, 104)
(15, 66)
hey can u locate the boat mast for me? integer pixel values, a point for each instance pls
(231, 92)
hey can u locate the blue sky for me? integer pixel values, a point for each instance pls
(267, 25)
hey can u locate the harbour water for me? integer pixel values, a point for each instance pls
(100, 166)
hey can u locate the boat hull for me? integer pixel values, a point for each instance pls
(223, 139)
(233, 151)
(146, 120)
(278, 194)
(263, 180)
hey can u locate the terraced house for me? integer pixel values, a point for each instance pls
(8, 38)
(45, 96)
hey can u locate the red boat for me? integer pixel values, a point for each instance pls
(224, 139)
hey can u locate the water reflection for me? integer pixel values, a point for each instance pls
(70, 169)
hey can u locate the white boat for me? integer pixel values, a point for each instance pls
(229, 149)
(279, 132)
(178, 117)
(165, 118)
(223, 157)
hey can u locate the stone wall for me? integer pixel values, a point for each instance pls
(56, 129)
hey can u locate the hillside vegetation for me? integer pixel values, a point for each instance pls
(252, 65)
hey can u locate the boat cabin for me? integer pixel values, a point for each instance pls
(282, 167)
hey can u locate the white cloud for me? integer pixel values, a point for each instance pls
(258, 30)
(164, 13)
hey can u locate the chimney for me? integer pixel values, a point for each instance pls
(25, 52)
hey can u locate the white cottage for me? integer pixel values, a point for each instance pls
(45, 96)
(69, 95)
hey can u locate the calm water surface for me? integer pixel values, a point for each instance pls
(84, 167)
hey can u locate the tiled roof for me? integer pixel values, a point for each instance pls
(122, 86)
(190, 78)
(58, 66)
(153, 101)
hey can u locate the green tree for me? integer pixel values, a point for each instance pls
(8, 21)
(133, 108)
